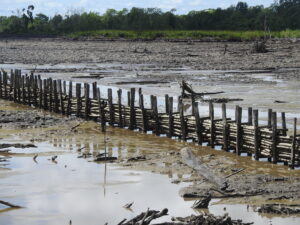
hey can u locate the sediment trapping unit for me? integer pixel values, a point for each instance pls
(269, 141)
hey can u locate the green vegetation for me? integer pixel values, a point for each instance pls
(240, 22)
(186, 34)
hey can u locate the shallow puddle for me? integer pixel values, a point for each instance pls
(78, 189)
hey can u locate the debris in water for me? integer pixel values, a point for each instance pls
(34, 158)
(137, 158)
(279, 209)
(17, 146)
(79, 150)
(278, 101)
(145, 218)
(128, 205)
(202, 203)
(207, 219)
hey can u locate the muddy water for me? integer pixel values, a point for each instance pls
(258, 88)
(85, 192)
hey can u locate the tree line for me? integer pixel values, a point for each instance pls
(281, 15)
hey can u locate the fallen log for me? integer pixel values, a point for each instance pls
(189, 159)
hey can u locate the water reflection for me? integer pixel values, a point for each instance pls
(91, 193)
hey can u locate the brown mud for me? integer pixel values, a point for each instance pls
(256, 78)
(253, 77)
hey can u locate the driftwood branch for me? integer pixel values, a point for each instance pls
(188, 88)
(9, 204)
(145, 218)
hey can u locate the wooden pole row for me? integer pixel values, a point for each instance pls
(241, 137)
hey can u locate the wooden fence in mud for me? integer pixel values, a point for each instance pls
(267, 141)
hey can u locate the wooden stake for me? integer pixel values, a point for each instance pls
(293, 149)
(1, 85)
(182, 121)
(269, 118)
(167, 103)
(69, 106)
(225, 128)
(55, 94)
(250, 113)
(45, 92)
(193, 103)
(78, 97)
(61, 98)
(40, 93)
(239, 131)
(198, 124)
(101, 107)
(256, 136)
(132, 121)
(212, 126)
(156, 119)
(274, 138)
(144, 115)
(87, 100)
(171, 119)
(120, 108)
(111, 107)
(284, 129)
(94, 90)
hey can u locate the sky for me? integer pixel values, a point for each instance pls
(52, 7)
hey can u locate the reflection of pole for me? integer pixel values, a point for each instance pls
(105, 166)
(104, 184)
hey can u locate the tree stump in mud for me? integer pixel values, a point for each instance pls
(259, 47)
